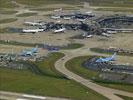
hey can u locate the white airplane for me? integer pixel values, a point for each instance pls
(55, 17)
(88, 12)
(60, 9)
(32, 30)
(82, 20)
(58, 21)
(33, 23)
(111, 32)
(59, 30)
(67, 18)
(84, 35)
(105, 34)
(89, 36)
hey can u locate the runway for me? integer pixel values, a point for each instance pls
(19, 96)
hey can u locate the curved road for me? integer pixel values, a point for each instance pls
(107, 92)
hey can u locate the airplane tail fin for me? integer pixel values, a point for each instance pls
(114, 55)
(34, 49)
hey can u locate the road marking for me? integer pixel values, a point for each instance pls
(33, 96)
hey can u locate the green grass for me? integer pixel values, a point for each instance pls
(3, 30)
(16, 43)
(7, 4)
(8, 12)
(73, 46)
(115, 9)
(111, 3)
(46, 84)
(47, 66)
(121, 3)
(51, 9)
(75, 65)
(26, 14)
(70, 46)
(46, 2)
(125, 97)
(42, 9)
(120, 86)
(116, 3)
(8, 20)
(100, 50)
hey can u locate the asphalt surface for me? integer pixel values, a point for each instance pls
(19, 96)
(107, 92)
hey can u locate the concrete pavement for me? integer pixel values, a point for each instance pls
(19, 96)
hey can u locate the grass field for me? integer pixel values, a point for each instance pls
(26, 14)
(47, 67)
(51, 9)
(45, 2)
(8, 12)
(50, 83)
(118, 3)
(123, 3)
(69, 46)
(75, 66)
(9, 20)
(115, 9)
(73, 46)
(111, 3)
(42, 9)
(3, 30)
(100, 50)
(17, 43)
(7, 4)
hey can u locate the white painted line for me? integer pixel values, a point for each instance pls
(33, 96)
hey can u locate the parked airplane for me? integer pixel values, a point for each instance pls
(51, 48)
(111, 32)
(55, 17)
(29, 52)
(32, 30)
(84, 34)
(67, 18)
(34, 50)
(26, 53)
(58, 21)
(59, 30)
(60, 9)
(107, 59)
(105, 34)
(87, 36)
(82, 20)
(88, 12)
